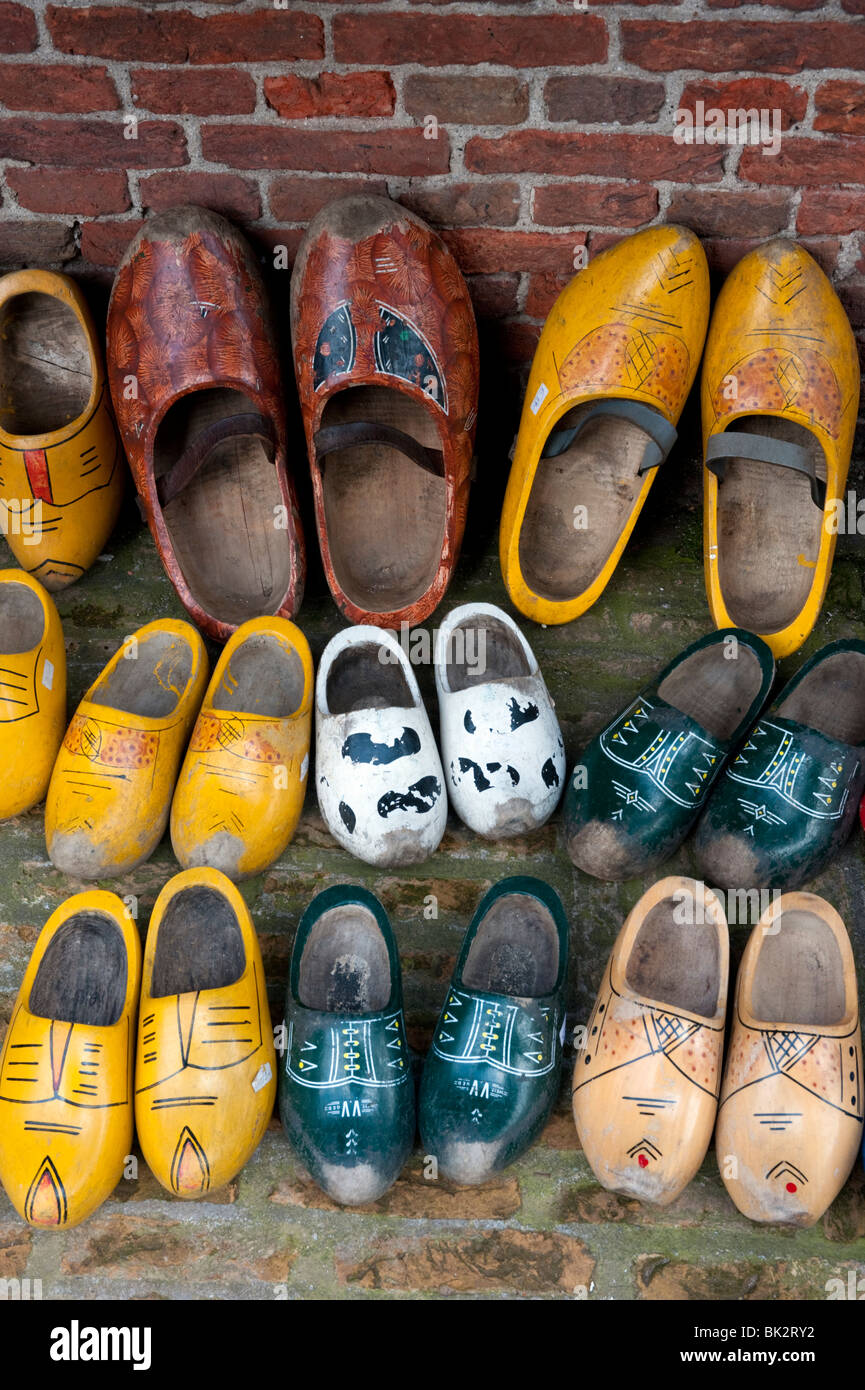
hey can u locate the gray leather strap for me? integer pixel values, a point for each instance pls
(662, 435)
(332, 438)
(763, 448)
(193, 458)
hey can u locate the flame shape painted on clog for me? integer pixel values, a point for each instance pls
(46, 1203)
(190, 1170)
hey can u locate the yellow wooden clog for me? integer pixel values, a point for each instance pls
(66, 1066)
(111, 789)
(780, 394)
(62, 469)
(205, 1076)
(32, 691)
(611, 373)
(241, 787)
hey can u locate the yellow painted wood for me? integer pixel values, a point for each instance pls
(32, 694)
(204, 1091)
(241, 788)
(62, 1150)
(630, 326)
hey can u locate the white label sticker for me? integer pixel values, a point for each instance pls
(48, 675)
(304, 767)
(540, 396)
(262, 1076)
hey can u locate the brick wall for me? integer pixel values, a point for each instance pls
(554, 127)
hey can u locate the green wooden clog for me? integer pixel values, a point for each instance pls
(492, 1074)
(789, 798)
(641, 783)
(346, 1091)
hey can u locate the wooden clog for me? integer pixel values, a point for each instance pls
(646, 1080)
(240, 791)
(611, 373)
(492, 1074)
(346, 1091)
(788, 799)
(780, 394)
(641, 783)
(195, 379)
(205, 1069)
(790, 1117)
(62, 471)
(501, 743)
(32, 691)
(111, 788)
(378, 775)
(66, 1064)
(378, 305)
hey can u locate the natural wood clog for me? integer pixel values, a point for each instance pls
(641, 783)
(501, 743)
(492, 1074)
(205, 1069)
(66, 1066)
(378, 305)
(32, 691)
(780, 394)
(240, 791)
(62, 471)
(195, 379)
(788, 799)
(646, 1080)
(790, 1118)
(378, 775)
(346, 1090)
(111, 788)
(611, 373)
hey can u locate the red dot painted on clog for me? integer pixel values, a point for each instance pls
(791, 1187)
(642, 1160)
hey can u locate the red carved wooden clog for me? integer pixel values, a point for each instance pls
(378, 305)
(195, 380)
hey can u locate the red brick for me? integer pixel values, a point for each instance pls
(18, 33)
(764, 93)
(481, 204)
(579, 204)
(103, 243)
(841, 107)
(331, 94)
(602, 241)
(616, 154)
(494, 296)
(487, 251)
(608, 100)
(36, 243)
(852, 296)
(387, 151)
(527, 41)
(130, 33)
(759, 45)
(228, 194)
(544, 289)
(808, 162)
(86, 192)
(854, 6)
(194, 92)
(831, 212)
(730, 212)
(58, 87)
(776, 4)
(299, 199)
(74, 144)
(465, 99)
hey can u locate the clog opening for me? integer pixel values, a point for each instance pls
(151, 681)
(831, 698)
(799, 975)
(366, 676)
(82, 975)
(675, 961)
(199, 945)
(22, 620)
(769, 531)
(45, 364)
(385, 515)
(484, 649)
(235, 559)
(579, 504)
(345, 967)
(264, 676)
(714, 689)
(515, 949)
